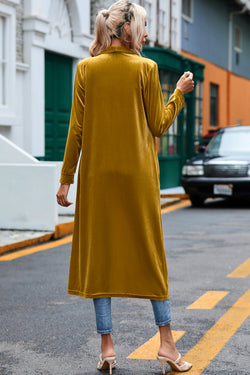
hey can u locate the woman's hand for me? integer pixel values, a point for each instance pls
(185, 83)
(62, 195)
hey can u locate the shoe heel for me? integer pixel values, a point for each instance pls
(110, 362)
(163, 361)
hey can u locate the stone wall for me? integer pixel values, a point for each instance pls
(19, 31)
(19, 27)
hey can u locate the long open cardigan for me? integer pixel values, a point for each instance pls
(117, 111)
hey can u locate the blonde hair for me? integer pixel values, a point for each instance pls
(110, 24)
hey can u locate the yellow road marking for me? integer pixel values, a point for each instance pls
(242, 271)
(35, 249)
(149, 350)
(214, 340)
(208, 300)
(175, 207)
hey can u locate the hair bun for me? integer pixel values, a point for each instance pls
(105, 13)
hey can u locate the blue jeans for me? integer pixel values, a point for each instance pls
(103, 314)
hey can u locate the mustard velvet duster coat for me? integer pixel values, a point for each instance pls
(117, 111)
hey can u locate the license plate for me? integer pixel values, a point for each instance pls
(223, 189)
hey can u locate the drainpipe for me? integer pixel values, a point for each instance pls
(230, 54)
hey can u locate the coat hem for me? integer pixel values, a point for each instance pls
(121, 295)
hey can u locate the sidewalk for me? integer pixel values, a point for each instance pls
(172, 195)
(11, 240)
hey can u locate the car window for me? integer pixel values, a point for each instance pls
(230, 143)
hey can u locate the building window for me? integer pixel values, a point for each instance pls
(214, 89)
(162, 26)
(3, 61)
(198, 115)
(169, 141)
(187, 10)
(237, 39)
(174, 33)
(148, 7)
(7, 64)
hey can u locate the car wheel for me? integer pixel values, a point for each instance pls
(197, 200)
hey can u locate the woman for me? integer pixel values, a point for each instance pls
(117, 111)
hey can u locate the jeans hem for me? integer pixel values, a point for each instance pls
(163, 323)
(104, 332)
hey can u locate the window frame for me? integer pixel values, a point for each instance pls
(3, 59)
(216, 106)
(169, 142)
(162, 26)
(7, 114)
(198, 116)
(188, 18)
(237, 48)
(148, 5)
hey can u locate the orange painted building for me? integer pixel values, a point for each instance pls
(233, 96)
(216, 34)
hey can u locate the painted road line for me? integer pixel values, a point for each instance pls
(215, 339)
(242, 271)
(36, 249)
(175, 207)
(149, 350)
(208, 300)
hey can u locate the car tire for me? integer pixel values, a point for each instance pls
(197, 200)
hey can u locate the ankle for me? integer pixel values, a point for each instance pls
(107, 346)
(168, 347)
(166, 336)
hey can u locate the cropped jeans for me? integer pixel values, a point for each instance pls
(103, 314)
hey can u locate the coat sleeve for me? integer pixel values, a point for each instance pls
(159, 116)
(74, 140)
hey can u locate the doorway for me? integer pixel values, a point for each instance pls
(58, 100)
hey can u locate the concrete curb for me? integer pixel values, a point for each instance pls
(175, 196)
(64, 229)
(25, 243)
(61, 230)
(166, 204)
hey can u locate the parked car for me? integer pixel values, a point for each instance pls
(222, 170)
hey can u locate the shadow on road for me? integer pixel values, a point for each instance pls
(228, 203)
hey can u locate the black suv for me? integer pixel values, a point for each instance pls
(222, 170)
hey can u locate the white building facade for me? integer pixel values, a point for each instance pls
(29, 29)
(40, 43)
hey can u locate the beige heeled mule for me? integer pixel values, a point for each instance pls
(174, 364)
(106, 363)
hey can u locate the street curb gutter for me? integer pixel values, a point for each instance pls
(61, 230)
(25, 243)
(166, 204)
(177, 196)
(64, 229)
(173, 198)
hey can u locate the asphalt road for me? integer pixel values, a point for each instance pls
(45, 331)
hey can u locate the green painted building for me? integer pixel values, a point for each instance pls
(181, 142)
